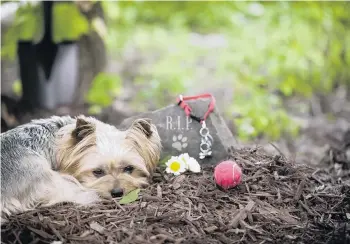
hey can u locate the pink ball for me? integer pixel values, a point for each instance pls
(227, 174)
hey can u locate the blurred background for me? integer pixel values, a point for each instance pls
(280, 71)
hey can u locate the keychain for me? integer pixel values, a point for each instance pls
(206, 140)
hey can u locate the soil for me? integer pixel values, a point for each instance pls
(278, 201)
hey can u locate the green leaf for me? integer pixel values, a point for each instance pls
(17, 88)
(95, 109)
(164, 160)
(27, 26)
(29, 22)
(130, 197)
(105, 87)
(68, 23)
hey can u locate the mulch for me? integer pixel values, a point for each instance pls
(277, 202)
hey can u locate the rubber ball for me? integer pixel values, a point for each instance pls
(227, 174)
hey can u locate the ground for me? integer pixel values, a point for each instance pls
(293, 191)
(278, 201)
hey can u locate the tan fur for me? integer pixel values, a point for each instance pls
(81, 148)
(149, 149)
(111, 150)
(69, 153)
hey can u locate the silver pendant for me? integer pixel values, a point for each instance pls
(206, 142)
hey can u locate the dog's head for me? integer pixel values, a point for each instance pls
(108, 160)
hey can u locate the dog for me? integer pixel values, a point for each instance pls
(80, 160)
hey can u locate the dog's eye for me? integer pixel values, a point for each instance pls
(129, 169)
(99, 172)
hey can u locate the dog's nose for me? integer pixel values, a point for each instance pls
(117, 192)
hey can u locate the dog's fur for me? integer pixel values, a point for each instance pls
(79, 160)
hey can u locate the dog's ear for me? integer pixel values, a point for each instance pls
(83, 128)
(145, 125)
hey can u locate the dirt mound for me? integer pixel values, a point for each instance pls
(277, 202)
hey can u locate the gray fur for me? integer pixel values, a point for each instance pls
(27, 156)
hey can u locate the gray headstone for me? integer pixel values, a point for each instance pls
(180, 134)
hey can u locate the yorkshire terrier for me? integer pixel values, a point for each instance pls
(79, 160)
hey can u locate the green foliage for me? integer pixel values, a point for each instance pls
(130, 197)
(17, 88)
(271, 50)
(68, 23)
(164, 160)
(27, 25)
(263, 113)
(29, 22)
(264, 53)
(105, 87)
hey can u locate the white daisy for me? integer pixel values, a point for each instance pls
(191, 163)
(175, 166)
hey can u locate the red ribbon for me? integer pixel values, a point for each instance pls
(188, 110)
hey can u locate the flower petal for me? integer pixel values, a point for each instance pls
(194, 166)
(177, 170)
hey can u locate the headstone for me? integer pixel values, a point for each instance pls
(180, 134)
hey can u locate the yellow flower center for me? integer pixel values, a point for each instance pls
(175, 166)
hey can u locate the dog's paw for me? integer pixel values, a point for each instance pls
(179, 142)
(86, 198)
